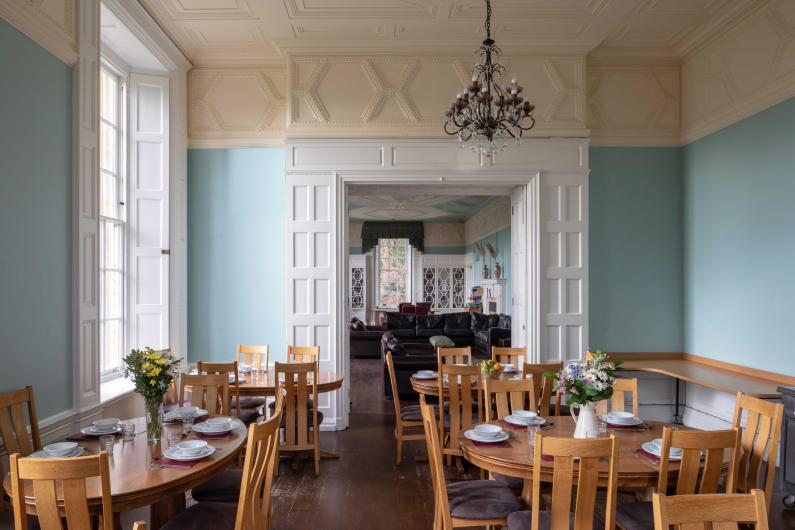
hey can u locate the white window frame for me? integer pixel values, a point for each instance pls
(409, 275)
(122, 137)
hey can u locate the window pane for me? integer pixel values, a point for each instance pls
(107, 147)
(112, 252)
(112, 344)
(113, 294)
(393, 271)
(108, 199)
(108, 91)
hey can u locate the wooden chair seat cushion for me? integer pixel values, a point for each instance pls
(515, 483)
(414, 413)
(272, 404)
(522, 521)
(635, 515)
(215, 515)
(481, 499)
(224, 487)
(249, 416)
(249, 402)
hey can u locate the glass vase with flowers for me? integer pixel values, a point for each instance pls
(152, 372)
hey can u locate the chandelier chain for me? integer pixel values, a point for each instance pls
(488, 19)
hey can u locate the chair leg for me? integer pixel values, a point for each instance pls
(317, 452)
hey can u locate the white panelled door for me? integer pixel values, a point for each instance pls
(311, 275)
(519, 233)
(563, 204)
(148, 209)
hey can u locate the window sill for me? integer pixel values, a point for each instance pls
(115, 388)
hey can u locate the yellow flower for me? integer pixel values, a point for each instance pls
(153, 382)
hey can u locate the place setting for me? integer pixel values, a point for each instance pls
(425, 375)
(487, 434)
(624, 420)
(184, 454)
(60, 450)
(216, 427)
(652, 451)
(183, 413)
(521, 419)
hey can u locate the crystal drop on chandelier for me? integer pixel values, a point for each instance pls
(486, 114)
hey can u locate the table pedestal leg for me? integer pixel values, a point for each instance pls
(165, 509)
(677, 416)
(527, 492)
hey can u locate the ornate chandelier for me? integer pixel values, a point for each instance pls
(485, 112)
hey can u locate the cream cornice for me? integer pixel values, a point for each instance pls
(56, 36)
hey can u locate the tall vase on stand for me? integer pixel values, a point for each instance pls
(585, 419)
(154, 418)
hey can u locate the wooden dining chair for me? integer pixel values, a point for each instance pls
(13, 426)
(406, 418)
(253, 510)
(710, 511)
(543, 386)
(514, 356)
(503, 396)
(466, 503)
(621, 387)
(64, 477)
(758, 443)
(246, 416)
(209, 392)
(588, 454)
(303, 354)
(453, 356)
(713, 444)
(257, 358)
(300, 410)
(465, 407)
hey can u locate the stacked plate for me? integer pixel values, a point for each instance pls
(181, 412)
(622, 418)
(189, 451)
(425, 374)
(59, 450)
(487, 433)
(219, 425)
(654, 447)
(103, 427)
(524, 418)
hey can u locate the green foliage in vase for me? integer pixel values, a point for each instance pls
(151, 371)
(587, 382)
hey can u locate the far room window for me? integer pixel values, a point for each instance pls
(112, 222)
(394, 257)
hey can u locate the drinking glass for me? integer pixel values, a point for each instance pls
(187, 424)
(106, 443)
(602, 428)
(174, 436)
(128, 431)
(592, 434)
(532, 430)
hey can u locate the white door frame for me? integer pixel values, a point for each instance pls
(421, 162)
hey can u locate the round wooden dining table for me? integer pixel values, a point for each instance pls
(262, 383)
(138, 480)
(430, 387)
(514, 457)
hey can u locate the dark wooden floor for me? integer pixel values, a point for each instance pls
(364, 490)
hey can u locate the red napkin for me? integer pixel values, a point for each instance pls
(641, 427)
(503, 443)
(164, 461)
(208, 435)
(644, 453)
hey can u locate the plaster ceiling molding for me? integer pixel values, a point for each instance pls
(406, 204)
(491, 218)
(742, 72)
(367, 9)
(51, 23)
(444, 234)
(634, 104)
(247, 103)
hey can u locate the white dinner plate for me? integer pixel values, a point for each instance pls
(651, 448)
(174, 415)
(425, 376)
(513, 420)
(205, 428)
(92, 431)
(77, 451)
(175, 454)
(475, 437)
(629, 423)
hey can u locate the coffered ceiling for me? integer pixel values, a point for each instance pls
(418, 206)
(223, 32)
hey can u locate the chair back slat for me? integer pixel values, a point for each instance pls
(543, 385)
(514, 356)
(254, 507)
(67, 476)
(506, 396)
(224, 368)
(758, 444)
(464, 393)
(390, 366)
(207, 391)
(436, 464)
(621, 387)
(708, 511)
(303, 354)
(13, 427)
(297, 416)
(589, 453)
(692, 444)
(254, 356)
(453, 356)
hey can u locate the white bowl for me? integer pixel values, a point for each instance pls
(106, 424)
(620, 416)
(191, 447)
(245, 368)
(187, 410)
(219, 422)
(487, 429)
(508, 367)
(60, 448)
(426, 372)
(525, 415)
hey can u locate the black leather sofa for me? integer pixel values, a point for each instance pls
(365, 341)
(408, 338)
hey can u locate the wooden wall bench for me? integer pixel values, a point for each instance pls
(711, 373)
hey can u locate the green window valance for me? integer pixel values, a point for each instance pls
(372, 231)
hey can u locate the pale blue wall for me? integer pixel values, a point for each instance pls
(740, 242)
(236, 246)
(502, 243)
(35, 222)
(635, 208)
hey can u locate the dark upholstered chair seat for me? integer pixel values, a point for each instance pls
(522, 520)
(215, 515)
(516, 484)
(635, 515)
(414, 413)
(224, 487)
(481, 499)
(249, 402)
(249, 416)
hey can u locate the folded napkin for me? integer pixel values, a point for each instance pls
(179, 464)
(645, 454)
(503, 443)
(640, 427)
(210, 435)
(506, 425)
